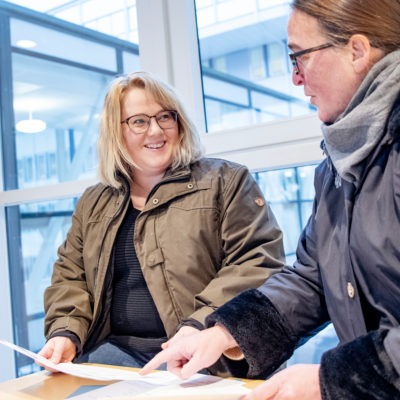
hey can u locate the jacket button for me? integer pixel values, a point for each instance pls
(259, 201)
(155, 201)
(190, 185)
(350, 290)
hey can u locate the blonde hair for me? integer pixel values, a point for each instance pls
(113, 156)
(379, 20)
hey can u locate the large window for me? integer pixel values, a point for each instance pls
(39, 229)
(245, 68)
(290, 194)
(67, 99)
(116, 18)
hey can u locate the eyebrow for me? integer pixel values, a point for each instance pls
(293, 47)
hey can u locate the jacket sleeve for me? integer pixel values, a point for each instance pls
(260, 332)
(67, 301)
(362, 368)
(252, 245)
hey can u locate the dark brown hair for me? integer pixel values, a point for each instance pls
(378, 20)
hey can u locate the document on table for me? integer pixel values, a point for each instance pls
(80, 370)
(157, 385)
(199, 387)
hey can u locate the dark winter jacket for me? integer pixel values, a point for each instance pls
(347, 272)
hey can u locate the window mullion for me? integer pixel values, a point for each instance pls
(169, 48)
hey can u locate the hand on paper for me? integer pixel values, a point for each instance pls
(58, 349)
(298, 382)
(189, 354)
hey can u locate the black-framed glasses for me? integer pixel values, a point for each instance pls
(294, 56)
(139, 123)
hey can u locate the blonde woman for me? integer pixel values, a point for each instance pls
(167, 237)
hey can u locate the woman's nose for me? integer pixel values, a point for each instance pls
(297, 77)
(153, 126)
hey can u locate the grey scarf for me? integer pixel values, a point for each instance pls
(356, 132)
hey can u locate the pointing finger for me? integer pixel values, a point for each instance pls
(155, 362)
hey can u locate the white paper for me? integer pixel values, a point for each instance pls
(198, 386)
(92, 371)
(155, 385)
(44, 361)
(112, 374)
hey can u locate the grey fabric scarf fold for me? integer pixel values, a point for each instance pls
(356, 132)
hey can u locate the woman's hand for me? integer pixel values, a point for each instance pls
(298, 382)
(58, 349)
(184, 331)
(189, 354)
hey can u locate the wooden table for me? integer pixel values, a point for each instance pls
(47, 386)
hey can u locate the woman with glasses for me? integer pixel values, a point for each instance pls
(165, 239)
(346, 55)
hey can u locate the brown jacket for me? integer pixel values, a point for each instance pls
(204, 235)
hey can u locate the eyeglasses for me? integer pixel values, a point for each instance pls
(140, 123)
(294, 56)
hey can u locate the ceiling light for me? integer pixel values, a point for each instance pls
(26, 43)
(31, 125)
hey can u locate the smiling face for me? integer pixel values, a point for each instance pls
(152, 151)
(328, 75)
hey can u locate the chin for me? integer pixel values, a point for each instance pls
(324, 117)
(330, 115)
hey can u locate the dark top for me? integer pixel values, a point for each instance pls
(133, 312)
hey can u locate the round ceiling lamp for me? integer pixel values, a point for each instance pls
(31, 125)
(26, 43)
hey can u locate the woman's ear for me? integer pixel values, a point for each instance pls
(361, 51)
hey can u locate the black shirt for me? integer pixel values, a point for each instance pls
(133, 312)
